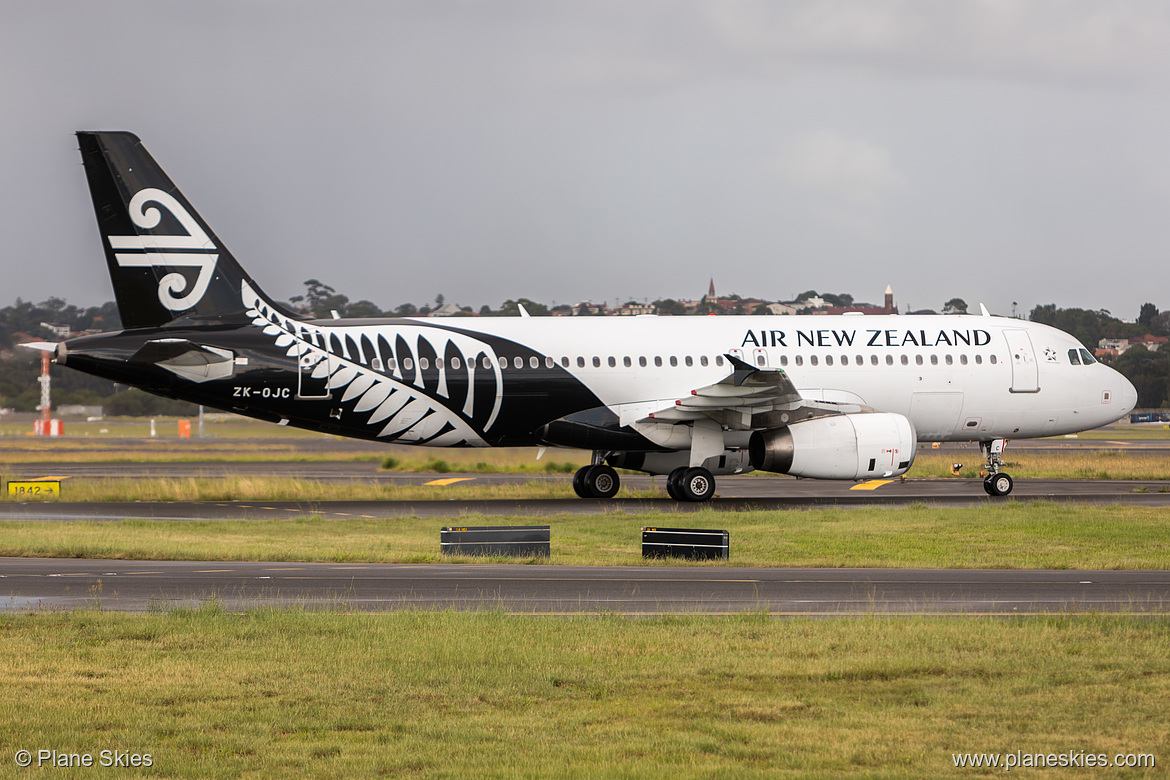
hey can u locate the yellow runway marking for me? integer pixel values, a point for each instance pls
(872, 484)
(212, 571)
(45, 479)
(450, 481)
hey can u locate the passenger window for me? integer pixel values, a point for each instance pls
(690, 361)
(438, 362)
(963, 359)
(799, 360)
(455, 363)
(783, 360)
(642, 361)
(828, 360)
(487, 362)
(596, 362)
(812, 360)
(978, 360)
(392, 364)
(408, 364)
(759, 360)
(564, 361)
(889, 360)
(934, 360)
(905, 360)
(994, 360)
(873, 359)
(627, 362)
(580, 362)
(658, 361)
(424, 364)
(950, 360)
(718, 360)
(918, 360)
(1087, 357)
(612, 362)
(376, 364)
(1074, 357)
(518, 362)
(703, 360)
(673, 361)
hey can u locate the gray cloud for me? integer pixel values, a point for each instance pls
(997, 151)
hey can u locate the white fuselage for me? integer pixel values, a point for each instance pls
(957, 378)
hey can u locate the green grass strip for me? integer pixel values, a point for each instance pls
(1011, 536)
(288, 693)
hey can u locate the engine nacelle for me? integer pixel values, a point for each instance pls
(730, 462)
(847, 446)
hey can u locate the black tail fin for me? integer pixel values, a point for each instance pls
(165, 262)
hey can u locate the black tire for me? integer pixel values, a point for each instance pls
(674, 483)
(579, 482)
(987, 485)
(602, 482)
(697, 484)
(1000, 485)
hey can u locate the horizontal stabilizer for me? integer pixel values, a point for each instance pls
(187, 359)
(42, 346)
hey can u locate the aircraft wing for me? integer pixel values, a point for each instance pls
(749, 398)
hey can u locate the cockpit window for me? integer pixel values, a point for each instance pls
(1087, 357)
(1073, 357)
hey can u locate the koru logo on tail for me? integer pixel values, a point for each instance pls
(193, 250)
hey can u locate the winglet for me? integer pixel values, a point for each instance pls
(742, 369)
(523, 311)
(983, 310)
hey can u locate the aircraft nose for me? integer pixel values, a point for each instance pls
(1126, 395)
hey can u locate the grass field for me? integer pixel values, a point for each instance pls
(286, 693)
(1034, 536)
(1061, 464)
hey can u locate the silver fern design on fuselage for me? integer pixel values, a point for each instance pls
(421, 385)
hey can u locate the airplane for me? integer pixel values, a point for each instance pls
(845, 397)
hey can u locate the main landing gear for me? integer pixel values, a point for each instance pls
(596, 481)
(996, 483)
(683, 484)
(693, 483)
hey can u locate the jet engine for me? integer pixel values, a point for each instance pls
(846, 446)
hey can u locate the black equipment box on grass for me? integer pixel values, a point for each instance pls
(694, 543)
(522, 540)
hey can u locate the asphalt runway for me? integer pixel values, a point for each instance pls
(736, 494)
(29, 583)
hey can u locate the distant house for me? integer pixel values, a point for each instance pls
(446, 310)
(1149, 342)
(633, 310)
(59, 330)
(1113, 346)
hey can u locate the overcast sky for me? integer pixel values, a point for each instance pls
(995, 151)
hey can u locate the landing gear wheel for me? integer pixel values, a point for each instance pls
(674, 484)
(579, 483)
(597, 481)
(697, 484)
(998, 485)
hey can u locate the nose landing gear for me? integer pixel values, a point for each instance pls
(996, 483)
